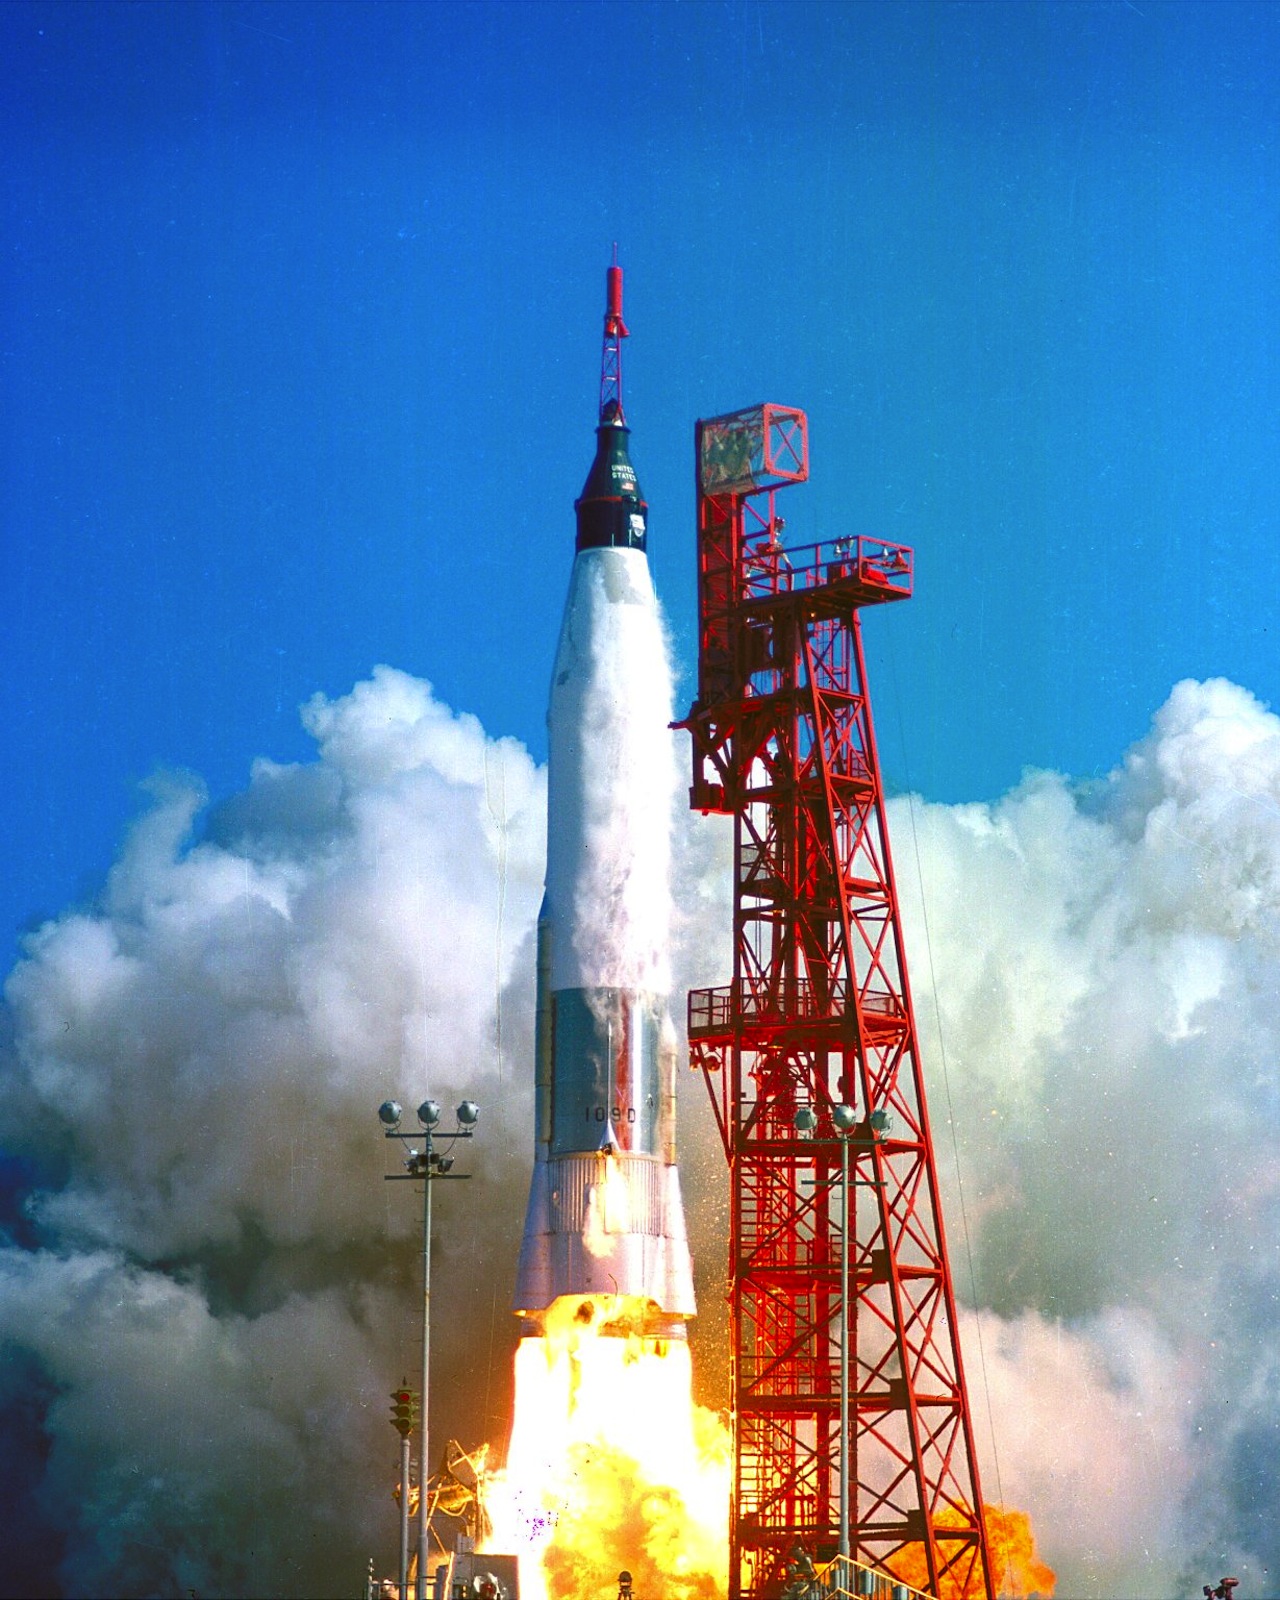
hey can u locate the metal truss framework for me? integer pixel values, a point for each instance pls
(818, 1014)
(615, 331)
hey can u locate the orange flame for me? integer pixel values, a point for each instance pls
(1016, 1568)
(611, 1464)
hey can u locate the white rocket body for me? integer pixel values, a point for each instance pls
(605, 1216)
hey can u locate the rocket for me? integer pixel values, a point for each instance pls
(605, 1217)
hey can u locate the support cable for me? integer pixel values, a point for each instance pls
(946, 1083)
(500, 825)
(499, 820)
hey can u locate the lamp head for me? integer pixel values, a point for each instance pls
(389, 1113)
(429, 1113)
(806, 1119)
(845, 1118)
(880, 1122)
(468, 1113)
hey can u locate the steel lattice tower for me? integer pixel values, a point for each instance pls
(818, 1014)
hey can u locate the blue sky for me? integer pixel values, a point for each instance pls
(300, 310)
(300, 350)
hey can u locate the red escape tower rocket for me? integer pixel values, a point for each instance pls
(811, 1057)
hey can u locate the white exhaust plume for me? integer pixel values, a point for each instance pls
(216, 1290)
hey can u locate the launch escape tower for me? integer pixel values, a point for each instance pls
(818, 1016)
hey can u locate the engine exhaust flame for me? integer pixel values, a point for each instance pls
(611, 1464)
(1017, 1570)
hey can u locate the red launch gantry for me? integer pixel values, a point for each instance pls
(818, 1016)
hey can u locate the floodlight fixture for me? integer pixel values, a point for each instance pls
(468, 1113)
(429, 1113)
(845, 1118)
(806, 1119)
(390, 1113)
(880, 1122)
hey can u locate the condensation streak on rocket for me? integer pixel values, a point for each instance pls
(605, 1216)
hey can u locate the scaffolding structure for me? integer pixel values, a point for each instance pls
(818, 1020)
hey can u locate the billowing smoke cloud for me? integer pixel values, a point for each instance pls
(211, 1290)
(221, 1290)
(1103, 967)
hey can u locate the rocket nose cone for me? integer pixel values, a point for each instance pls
(611, 508)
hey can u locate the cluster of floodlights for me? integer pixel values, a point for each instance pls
(845, 1119)
(419, 1163)
(468, 1113)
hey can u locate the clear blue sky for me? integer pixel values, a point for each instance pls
(301, 309)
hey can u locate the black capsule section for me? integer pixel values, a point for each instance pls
(612, 510)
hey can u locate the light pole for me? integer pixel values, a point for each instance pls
(428, 1165)
(845, 1120)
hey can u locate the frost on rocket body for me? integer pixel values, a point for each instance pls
(613, 780)
(211, 1290)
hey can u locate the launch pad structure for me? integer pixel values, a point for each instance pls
(818, 1018)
